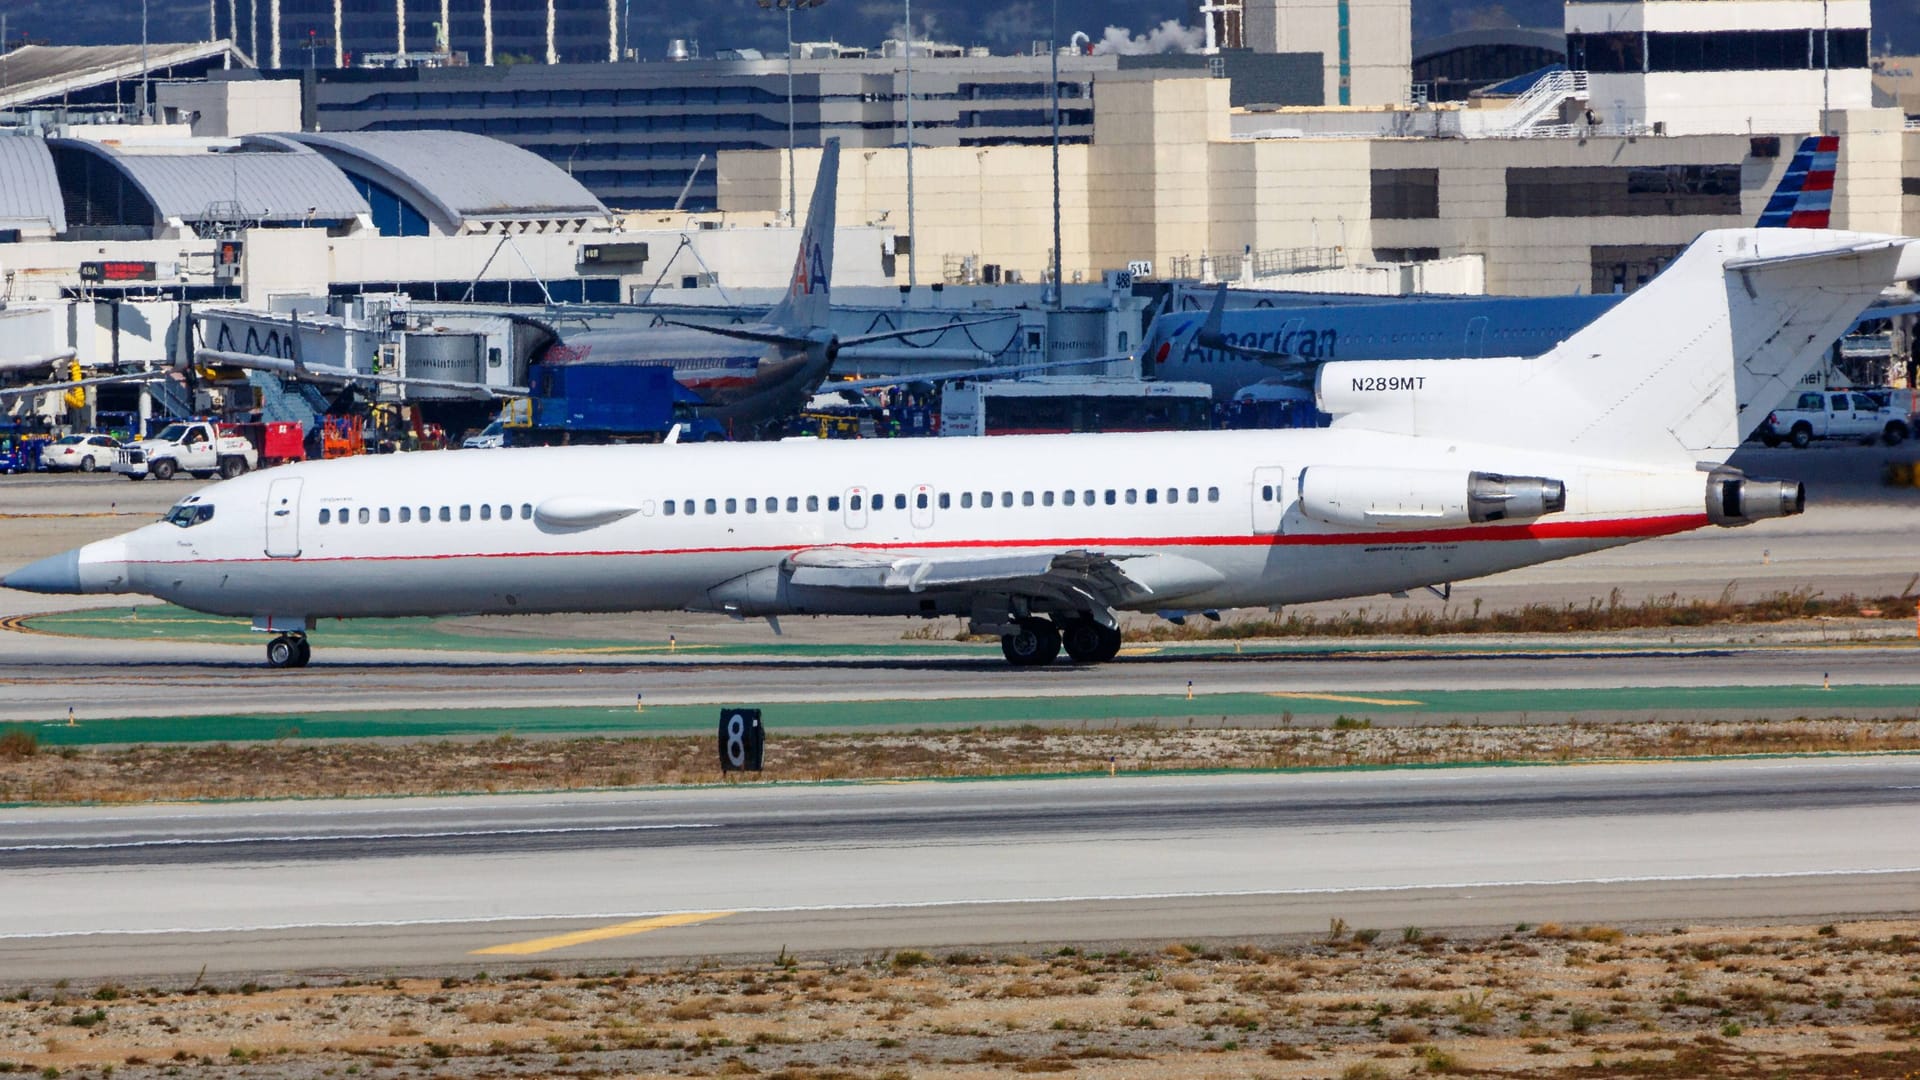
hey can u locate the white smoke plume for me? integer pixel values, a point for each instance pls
(1169, 36)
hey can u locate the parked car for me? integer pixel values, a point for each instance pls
(81, 453)
(1835, 414)
(488, 438)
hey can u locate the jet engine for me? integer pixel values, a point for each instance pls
(1733, 498)
(1357, 497)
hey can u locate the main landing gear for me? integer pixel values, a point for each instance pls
(289, 650)
(1036, 642)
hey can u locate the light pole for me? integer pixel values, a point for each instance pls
(1053, 91)
(788, 6)
(913, 237)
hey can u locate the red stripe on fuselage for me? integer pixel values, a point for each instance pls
(1614, 529)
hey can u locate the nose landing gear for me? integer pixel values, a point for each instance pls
(289, 651)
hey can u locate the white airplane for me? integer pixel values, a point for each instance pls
(1433, 471)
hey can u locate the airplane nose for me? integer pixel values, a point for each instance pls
(54, 574)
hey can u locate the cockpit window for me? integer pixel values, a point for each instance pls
(187, 515)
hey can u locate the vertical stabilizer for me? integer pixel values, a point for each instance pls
(808, 301)
(1681, 370)
(1804, 199)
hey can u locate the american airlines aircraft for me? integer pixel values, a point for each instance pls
(1433, 471)
(1233, 349)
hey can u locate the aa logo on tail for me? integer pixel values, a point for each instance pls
(810, 269)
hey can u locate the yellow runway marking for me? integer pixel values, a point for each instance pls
(1346, 698)
(1140, 650)
(625, 929)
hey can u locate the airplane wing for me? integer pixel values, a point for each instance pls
(98, 380)
(1074, 575)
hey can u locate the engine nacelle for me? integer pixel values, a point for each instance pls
(1355, 497)
(1735, 499)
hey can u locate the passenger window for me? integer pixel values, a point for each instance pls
(1153, 496)
(920, 500)
(813, 503)
(833, 503)
(966, 500)
(667, 507)
(853, 502)
(486, 512)
(526, 510)
(1046, 498)
(1266, 492)
(713, 506)
(686, 508)
(986, 500)
(1026, 498)
(1193, 495)
(326, 516)
(406, 515)
(341, 517)
(506, 511)
(1173, 495)
(1112, 496)
(1006, 498)
(466, 513)
(1087, 497)
(793, 504)
(946, 501)
(366, 515)
(1132, 496)
(386, 515)
(1213, 494)
(1066, 497)
(899, 502)
(446, 513)
(753, 506)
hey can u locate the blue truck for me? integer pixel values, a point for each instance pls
(584, 404)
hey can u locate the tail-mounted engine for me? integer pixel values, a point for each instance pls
(1358, 497)
(1735, 499)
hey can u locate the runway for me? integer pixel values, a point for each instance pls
(381, 885)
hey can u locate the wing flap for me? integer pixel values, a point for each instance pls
(1109, 579)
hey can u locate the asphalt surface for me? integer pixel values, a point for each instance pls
(421, 884)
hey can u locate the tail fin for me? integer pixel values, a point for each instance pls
(808, 300)
(1804, 199)
(1679, 371)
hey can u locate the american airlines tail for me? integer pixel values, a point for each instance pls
(808, 301)
(1678, 372)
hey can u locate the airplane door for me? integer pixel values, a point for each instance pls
(856, 507)
(1269, 499)
(283, 519)
(921, 505)
(1476, 336)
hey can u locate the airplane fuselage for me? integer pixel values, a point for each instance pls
(507, 530)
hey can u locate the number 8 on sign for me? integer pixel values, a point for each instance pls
(741, 740)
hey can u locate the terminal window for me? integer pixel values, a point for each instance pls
(1612, 191)
(1406, 193)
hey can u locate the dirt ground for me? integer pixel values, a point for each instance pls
(1356, 1003)
(292, 768)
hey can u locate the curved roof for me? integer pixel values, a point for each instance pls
(1553, 41)
(29, 190)
(458, 178)
(284, 186)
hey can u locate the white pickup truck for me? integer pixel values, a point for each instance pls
(190, 446)
(1834, 414)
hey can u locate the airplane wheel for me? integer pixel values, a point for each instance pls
(283, 651)
(1081, 639)
(1035, 644)
(1109, 645)
(303, 652)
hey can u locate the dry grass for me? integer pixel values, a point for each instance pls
(348, 768)
(1786, 1001)
(1594, 616)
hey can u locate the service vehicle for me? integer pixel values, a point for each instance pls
(199, 447)
(1835, 414)
(81, 453)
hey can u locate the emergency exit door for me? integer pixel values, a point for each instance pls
(283, 519)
